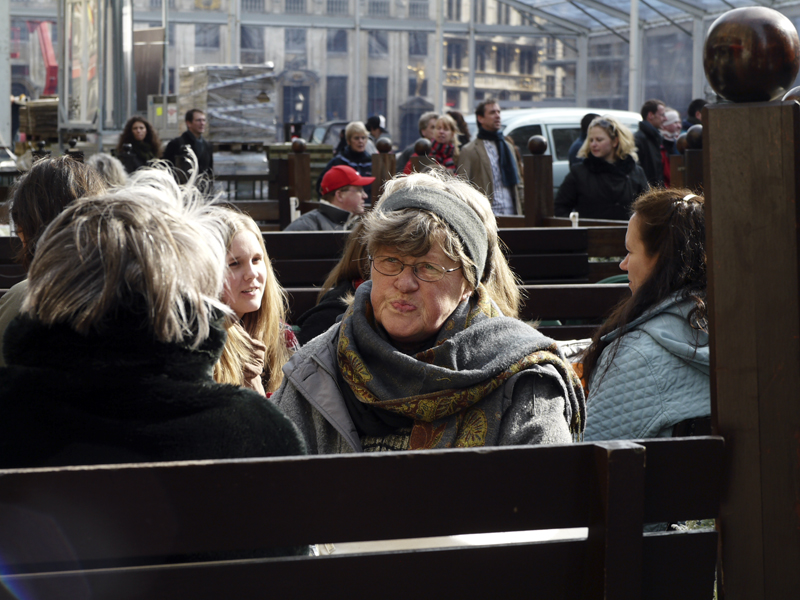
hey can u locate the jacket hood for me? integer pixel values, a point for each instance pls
(667, 324)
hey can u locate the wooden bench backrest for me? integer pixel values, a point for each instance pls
(537, 255)
(110, 516)
(544, 302)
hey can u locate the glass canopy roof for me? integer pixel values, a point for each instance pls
(596, 15)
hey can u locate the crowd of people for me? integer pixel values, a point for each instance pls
(152, 327)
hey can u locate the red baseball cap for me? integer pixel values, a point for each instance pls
(340, 176)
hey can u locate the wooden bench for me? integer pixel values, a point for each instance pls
(589, 303)
(541, 255)
(114, 531)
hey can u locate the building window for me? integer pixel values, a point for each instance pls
(378, 8)
(526, 97)
(295, 7)
(338, 7)
(452, 98)
(455, 51)
(206, 35)
(417, 87)
(417, 43)
(253, 6)
(453, 10)
(480, 11)
(377, 95)
(482, 56)
(418, 9)
(551, 48)
(378, 45)
(252, 44)
(295, 41)
(503, 57)
(527, 59)
(337, 41)
(503, 13)
(550, 86)
(336, 98)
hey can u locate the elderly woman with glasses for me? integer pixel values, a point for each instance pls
(608, 180)
(423, 358)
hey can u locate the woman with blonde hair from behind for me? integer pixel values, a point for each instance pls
(111, 355)
(259, 342)
(608, 180)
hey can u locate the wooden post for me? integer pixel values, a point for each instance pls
(538, 178)
(384, 165)
(299, 165)
(279, 189)
(677, 171)
(693, 173)
(751, 153)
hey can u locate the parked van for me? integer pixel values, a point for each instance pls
(559, 126)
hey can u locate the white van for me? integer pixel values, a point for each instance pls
(559, 126)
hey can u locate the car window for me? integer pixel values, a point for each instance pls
(563, 137)
(332, 136)
(316, 137)
(521, 135)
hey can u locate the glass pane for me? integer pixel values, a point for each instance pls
(563, 137)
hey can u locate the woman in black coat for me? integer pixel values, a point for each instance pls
(608, 181)
(144, 141)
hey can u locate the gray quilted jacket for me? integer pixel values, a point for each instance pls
(659, 377)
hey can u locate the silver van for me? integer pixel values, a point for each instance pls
(559, 126)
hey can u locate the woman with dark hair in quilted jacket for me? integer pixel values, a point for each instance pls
(647, 368)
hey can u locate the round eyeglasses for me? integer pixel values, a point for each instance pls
(424, 271)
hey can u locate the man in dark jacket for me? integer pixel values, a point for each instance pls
(694, 114)
(342, 197)
(649, 144)
(193, 138)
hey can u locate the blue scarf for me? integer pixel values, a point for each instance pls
(508, 166)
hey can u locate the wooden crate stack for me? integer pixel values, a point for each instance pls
(239, 101)
(38, 119)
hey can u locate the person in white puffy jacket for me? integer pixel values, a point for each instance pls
(648, 366)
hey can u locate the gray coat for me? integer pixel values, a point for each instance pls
(325, 218)
(533, 401)
(658, 377)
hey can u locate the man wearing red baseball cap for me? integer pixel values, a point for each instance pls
(342, 197)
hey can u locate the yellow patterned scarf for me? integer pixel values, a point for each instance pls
(452, 391)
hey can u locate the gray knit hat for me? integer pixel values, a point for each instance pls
(456, 213)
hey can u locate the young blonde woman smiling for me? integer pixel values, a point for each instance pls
(608, 181)
(259, 342)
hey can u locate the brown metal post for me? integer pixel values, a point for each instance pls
(752, 192)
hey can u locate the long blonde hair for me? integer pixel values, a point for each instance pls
(265, 324)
